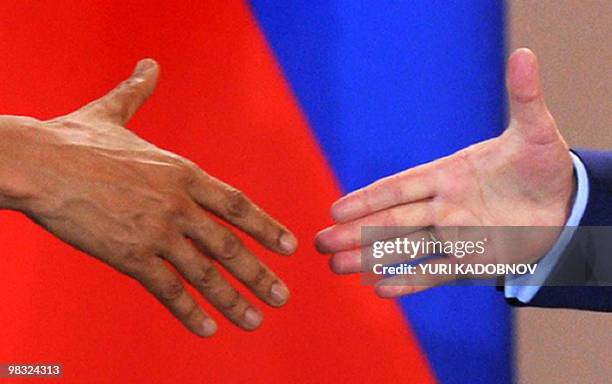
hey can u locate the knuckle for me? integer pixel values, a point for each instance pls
(171, 291)
(185, 171)
(117, 109)
(134, 256)
(259, 277)
(237, 203)
(160, 233)
(173, 205)
(205, 278)
(132, 87)
(230, 246)
(231, 301)
(366, 198)
(191, 310)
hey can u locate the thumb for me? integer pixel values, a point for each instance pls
(120, 104)
(528, 111)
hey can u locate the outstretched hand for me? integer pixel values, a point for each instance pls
(524, 177)
(98, 186)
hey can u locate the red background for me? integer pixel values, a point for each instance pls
(222, 101)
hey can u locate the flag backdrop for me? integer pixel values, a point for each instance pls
(295, 103)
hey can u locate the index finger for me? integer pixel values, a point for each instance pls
(411, 185)
(234, 207)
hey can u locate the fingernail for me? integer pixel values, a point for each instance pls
(279, 293)
(252, 318)
(322, 233)
(143, 66)
(288, 243)
(208, 328)
(320, 241)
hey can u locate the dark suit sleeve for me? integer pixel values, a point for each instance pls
(582, 279)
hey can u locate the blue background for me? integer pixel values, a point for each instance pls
(387, 85)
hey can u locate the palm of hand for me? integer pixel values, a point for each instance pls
(506, 181)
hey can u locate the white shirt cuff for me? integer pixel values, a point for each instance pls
(525, 287)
